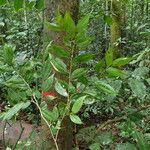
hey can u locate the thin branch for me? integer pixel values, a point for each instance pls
(124, 117)
(22, 129)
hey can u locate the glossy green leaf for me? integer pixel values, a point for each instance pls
(78, 104)
(15, 109)
(78, 73)
(83, 23)
(84, 57)
(121, 61)
(52, 26)
(75, 119)
(59, 51)
(47, 114)
(60, 89)
(105, 87)
(69, 24)
(18, 4)
(47, 84)
(59, 65)
(114, 72)
(55, 113)
(109, 57)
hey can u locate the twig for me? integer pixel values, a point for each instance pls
(120, 118)
(22, 129)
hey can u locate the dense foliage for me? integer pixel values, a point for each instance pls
(43, 81)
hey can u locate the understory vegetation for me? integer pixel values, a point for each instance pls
(75, 75)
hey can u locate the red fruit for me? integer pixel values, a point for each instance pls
(45, 94)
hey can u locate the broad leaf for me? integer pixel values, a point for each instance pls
(105, 87)
(84, 57)
(60, 89)
(59, 65)
(52, 26)
(83, 23)
(69, 24)
(121, 61)
(14, 110)
(75, 119)
(78, 104)
(47, 84)
(114, 72)
(59, 51)
(78, 73)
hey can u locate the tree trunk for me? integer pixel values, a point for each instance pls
(65, 136)
(116, 26)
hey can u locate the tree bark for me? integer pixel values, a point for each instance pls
(116, 26)
(65, 136)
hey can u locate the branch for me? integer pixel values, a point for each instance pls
(124, 117)
(22, 129)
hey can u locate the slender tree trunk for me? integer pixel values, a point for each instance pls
(116, 26)
(65, 136)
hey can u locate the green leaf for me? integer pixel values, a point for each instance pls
(69, 24)
(78, 73)
(3, 2)
(114, 72)
(47, 114)
(83, 23)
(138, 88)
(60, 89)
(55, 113)
(109, 57)
(14, 110)
(52, 26)
(59, 65)
(105, 87)
(47, 84)
(125, 146)
(121, 61)
(39, 4)
(140, 72)
(84, 57)
(75, 119)
(8, 54)
(18, 4)
(78, 104)
(95, 146)
(59, 51)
